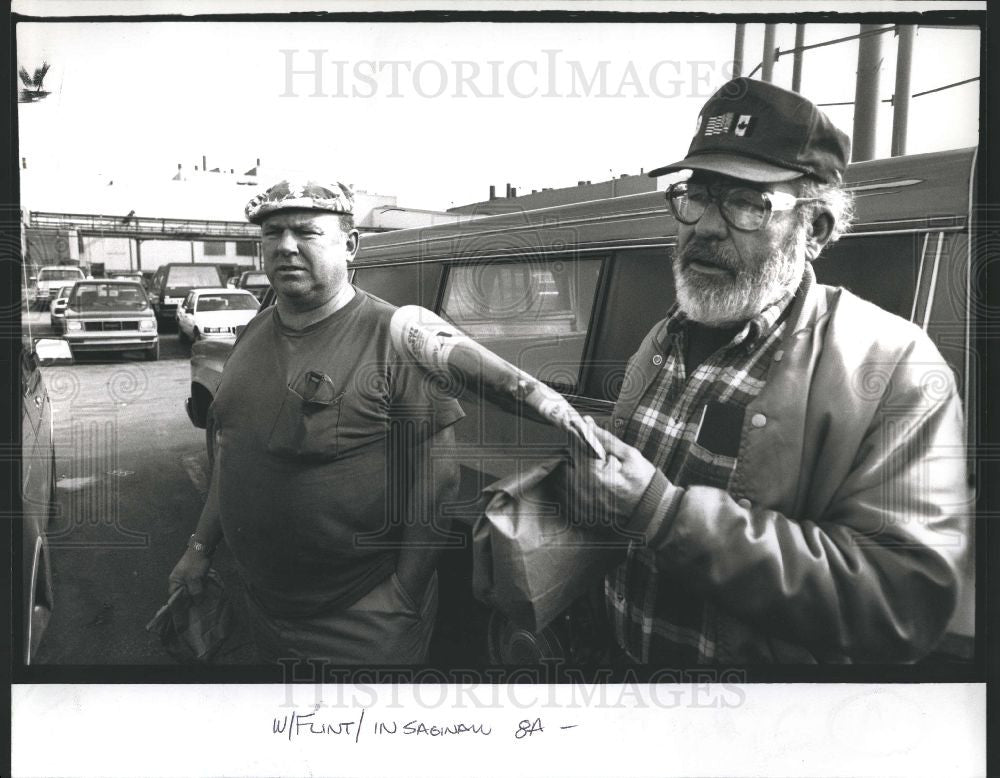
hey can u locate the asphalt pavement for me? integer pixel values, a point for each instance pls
(132, 473)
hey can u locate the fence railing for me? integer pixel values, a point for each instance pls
(144, 226)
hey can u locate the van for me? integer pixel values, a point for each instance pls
(568, 292)
(172, 282)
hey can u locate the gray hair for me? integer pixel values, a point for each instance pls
(346, 221)
(834, 198)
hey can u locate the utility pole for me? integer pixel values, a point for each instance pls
(767, 70)
(741, 32)
(866, 93)
(901, 97)
(800, 39)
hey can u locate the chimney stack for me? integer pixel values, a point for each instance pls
(204, 163)
(493, 192)
(513, 191)
(508, 191)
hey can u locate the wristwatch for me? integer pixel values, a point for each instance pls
(202, 548)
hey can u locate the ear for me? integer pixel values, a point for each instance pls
(818, 232)
(353, 243)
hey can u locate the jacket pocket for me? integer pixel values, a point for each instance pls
(306, 428)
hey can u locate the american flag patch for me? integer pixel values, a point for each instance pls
(719, 125)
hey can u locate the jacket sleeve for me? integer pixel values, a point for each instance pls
(874, 578)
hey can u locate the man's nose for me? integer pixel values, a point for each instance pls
(287, 243)
(711, 224)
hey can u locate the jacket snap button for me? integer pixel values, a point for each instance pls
(619, 422)
(758, 420)
(778, 355)
(657, 360)
(744, 503)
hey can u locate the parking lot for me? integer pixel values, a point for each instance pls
(131, 479)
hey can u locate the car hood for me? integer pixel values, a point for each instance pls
(110, 313)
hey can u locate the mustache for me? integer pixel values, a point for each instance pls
(709, 253)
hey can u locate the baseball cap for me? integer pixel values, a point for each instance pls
(760, 132)
(310, 195)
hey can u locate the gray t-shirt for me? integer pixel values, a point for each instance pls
(310, 501)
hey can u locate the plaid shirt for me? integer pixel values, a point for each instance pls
(658, 618)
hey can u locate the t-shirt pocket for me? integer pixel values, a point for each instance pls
(308, 421)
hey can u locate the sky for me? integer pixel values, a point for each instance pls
(431, 113)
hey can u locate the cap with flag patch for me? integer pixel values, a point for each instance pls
(309, 195)
(760, 132)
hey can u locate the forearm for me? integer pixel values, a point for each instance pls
(209, 527)
(883, 596)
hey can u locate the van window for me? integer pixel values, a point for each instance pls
(640, 291)
(879, 268)
(534, 314)
(193, 275)
(402, 284)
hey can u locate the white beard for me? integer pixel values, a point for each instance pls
(753, 284)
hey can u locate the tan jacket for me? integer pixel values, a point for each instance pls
(849, 521)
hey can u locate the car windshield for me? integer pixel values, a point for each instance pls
(59, 274)
(255, 278)
(93, 297)
(226, 302)
(193, 276)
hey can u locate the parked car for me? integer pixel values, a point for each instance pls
(57, 308)
(111, 315)
(172, 282)
(254, 281)
(214, 313)
(38, 489)
(568, 292)
(50, 279)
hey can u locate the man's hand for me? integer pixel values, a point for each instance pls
(604, 493)
(190, 573)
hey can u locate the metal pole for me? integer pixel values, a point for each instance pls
(138, 254)
(741, 33)
(800, 39)
(866, 94)
(901, 97)
(767, 70)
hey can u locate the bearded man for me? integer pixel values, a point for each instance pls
(787, 459)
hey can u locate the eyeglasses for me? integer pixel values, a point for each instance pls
(742, 208)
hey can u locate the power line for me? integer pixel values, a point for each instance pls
(778, 52)
(915, 94)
